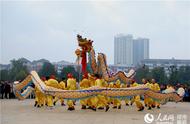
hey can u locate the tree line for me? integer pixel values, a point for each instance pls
(174, 75)
(19, 71)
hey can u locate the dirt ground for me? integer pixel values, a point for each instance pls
(23, 112)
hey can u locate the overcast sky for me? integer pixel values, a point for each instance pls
(48, 30)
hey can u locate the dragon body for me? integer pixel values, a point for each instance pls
(88, 92)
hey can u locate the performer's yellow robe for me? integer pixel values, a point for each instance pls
(71, 85)
(85, 83)
(116, 101)
(105, 84)
(155, 87)
(102, 102)
(62, 86)
(39, 97)
(110, 101)
(127, 100)
(92, 102)
(53, 83)
(136, 99)
(45, 96)
(147, 100)
(36, 95)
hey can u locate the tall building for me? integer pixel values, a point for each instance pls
(123, 50)
(128, 51)
(140, 50)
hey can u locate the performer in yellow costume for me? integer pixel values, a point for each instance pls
(155, 87)
(147, 100)
(105, 84)
(71, 85)
(102, 102)
(39, 101)
(85, 83)
(136, 99)
(126, 99)
(111, 84)
(36, 97)
(39, 96)
(62, 86)
(92, 102)
(116, 101)
(53, 83)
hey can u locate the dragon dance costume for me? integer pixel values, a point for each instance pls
(53, 83)
(85, 83)
(136, 99)
(71, 85)
(95, 92)
(62, 86)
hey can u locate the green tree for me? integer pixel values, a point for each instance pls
(21, 75)
(141, 73)
(4, 75)
(159, 75)
(184, 75)
(18, 70)
(173, 78)
(47, 70)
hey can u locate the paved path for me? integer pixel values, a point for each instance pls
(23, 112)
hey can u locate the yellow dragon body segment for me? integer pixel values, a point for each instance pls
(88, 92)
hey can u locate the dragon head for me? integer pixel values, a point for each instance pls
(84, 43)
